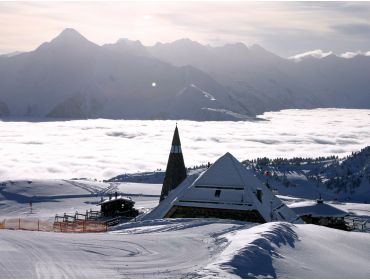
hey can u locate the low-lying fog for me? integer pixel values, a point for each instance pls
(104, 148)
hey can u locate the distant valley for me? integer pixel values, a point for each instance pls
(73, 78)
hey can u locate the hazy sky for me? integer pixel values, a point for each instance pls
(285, 28)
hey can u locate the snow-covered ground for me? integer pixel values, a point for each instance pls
(105, 148)
(188, 248)
(50, 197)
(172, 248)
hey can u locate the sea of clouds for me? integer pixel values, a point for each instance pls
(105, 148)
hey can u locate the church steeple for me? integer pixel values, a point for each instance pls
(175, 171)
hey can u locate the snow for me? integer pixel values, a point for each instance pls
(188, 248)
(357, 209)
(282, 250)
(228, 112)
(250, 250)
(206, 94)
(50, 197)
(169, 248)
(119, 197)
(175, 253)
(325, 253)
(110, 147)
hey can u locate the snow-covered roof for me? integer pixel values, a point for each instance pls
(118, 198)
(227, 172)
(316, 209)
(237, 188)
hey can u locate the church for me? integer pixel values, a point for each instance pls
(225, 190)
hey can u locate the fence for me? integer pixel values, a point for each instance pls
(26, 224)
(80, 226)
(39, 225)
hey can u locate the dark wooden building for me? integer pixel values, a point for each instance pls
(118, 206)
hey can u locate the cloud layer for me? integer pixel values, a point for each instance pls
(105, 148)
(314, 54)
(321, 54)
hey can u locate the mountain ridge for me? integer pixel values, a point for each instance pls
(72, 77)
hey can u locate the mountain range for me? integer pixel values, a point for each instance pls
(72, 77)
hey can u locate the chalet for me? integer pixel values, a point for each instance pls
(320, 213)
(226, 190)
(118, 206)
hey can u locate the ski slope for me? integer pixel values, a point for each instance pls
(169, 248)
(188, 248)
(50, 197)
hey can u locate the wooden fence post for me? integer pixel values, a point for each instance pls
(38, 225)
(19, 223)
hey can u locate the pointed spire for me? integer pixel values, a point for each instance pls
(176, 143)
(175, 171)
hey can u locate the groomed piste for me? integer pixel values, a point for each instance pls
(179, 248)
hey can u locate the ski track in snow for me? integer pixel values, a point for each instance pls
(154, 254)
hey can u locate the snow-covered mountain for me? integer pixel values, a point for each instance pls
(71, 77)
(263, 81)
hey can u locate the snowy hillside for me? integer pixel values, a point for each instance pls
(188, 248)
(156, 177)
(51, 197)
(346, 179)
(281, 250)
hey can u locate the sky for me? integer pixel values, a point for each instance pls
(285, 28)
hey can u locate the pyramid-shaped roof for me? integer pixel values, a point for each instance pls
(227, 184)
(227, 171)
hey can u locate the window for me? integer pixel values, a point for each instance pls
(217, 193)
